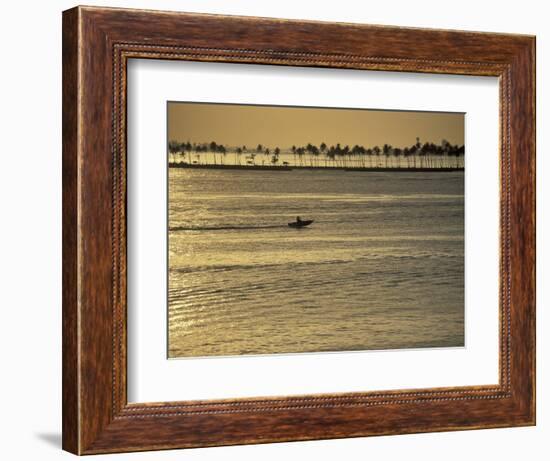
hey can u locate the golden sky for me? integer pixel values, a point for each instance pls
(282, 126)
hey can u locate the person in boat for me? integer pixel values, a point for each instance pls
(298, 220)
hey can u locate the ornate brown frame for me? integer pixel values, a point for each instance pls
(97, 43)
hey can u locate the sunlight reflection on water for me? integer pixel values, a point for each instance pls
(381, 267)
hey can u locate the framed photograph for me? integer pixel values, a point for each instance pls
(282, 230)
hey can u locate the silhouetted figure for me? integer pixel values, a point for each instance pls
(299, 223)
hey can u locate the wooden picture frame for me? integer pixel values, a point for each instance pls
(97, 43)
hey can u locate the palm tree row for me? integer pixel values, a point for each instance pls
(191, 153)
(417, 155)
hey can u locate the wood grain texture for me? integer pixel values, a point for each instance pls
(70, 384)
(97, 43)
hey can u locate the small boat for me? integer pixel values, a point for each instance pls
(300, 223)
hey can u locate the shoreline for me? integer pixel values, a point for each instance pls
(290, 168)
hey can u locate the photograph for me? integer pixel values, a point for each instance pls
(313, 229)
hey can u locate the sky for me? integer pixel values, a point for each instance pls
(283, 126)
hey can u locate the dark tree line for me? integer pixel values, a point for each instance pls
(417, 155)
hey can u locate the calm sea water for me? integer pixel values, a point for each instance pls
(382, 266)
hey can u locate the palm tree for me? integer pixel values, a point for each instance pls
(182, 152)
(277, 151)
(300, 151)
(331, 153)
(356, 154)
(446, 149)
(397, 153)
(461, 152)
(406, 154)
(173, 148)
(345, 154)
(369, 154)
(338, 152)
(323, 150)
(412, 151)
(315, 152)
(376, 151)
(417, 151)
(386, 149)
(422, 154)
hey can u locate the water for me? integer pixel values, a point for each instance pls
(382, 267)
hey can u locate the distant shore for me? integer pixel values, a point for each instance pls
(290, 168)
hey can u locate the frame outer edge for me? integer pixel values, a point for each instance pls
(70, 178)
(522, 190)
(91, 422)
(533, 182)
(533, 51)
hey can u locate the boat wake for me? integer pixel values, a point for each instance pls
(221, 228)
